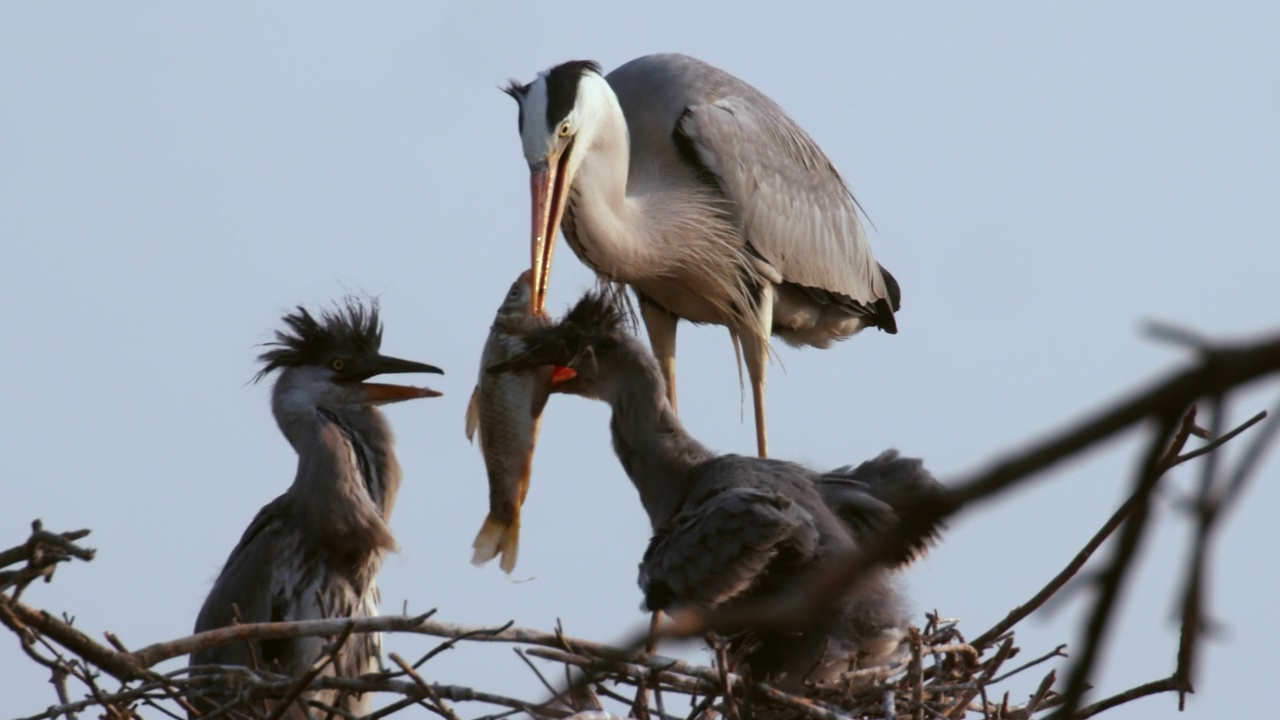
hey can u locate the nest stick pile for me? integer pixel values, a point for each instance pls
(945, 673)
(941, 672)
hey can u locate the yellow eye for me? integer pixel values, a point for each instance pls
(338, 364)
(564, 130)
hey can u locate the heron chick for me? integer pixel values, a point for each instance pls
(314, 552)
(733, 529)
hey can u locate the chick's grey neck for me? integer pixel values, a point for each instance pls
(346, 482)
(369, 438)
(655, 450)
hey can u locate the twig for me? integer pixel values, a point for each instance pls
(726, 690)
(65, 542)
(1056, 652)
(988, 671)
(1053, 586)
(1152, 688)
(1042, 692)
(1219, 370)
(1217, 442)
(1249, 461)
(1160, 330)
(538, 673)
(20, 618)
(464, 635)
(435, 703)
(916, 673)
(695, 679)
(314, 671)
(1113, 578)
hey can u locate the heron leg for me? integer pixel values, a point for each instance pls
(661, 326)
(755, 351)
(655, 624)
(640, 706)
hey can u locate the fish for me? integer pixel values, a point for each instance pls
(505, 410)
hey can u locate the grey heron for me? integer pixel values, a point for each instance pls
(694, 188)
(315, 550)
(729, 529)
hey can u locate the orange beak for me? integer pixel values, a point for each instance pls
(562, 375)
(382, 393)
(547, 187)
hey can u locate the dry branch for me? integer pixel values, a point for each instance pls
(939, 675)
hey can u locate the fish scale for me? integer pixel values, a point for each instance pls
(505, 410)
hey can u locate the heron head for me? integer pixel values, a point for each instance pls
(325, 361)
(559, 112)
(586, 347)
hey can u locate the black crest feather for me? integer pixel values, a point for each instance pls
(351, 326)
(516, 89)
(598, 322)
(600, 312)
(577, 67)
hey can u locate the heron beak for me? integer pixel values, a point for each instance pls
(547, 185)
(530, 359)
(382, 393)
(561, 375)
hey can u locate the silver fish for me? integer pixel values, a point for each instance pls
(506, 409)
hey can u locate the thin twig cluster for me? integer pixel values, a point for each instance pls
(940, 674)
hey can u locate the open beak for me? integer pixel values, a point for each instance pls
(547, 184)
(561, 375)
(537, 356)
(382, 393)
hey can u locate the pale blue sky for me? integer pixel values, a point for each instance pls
(1044, 178)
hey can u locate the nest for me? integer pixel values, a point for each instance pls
(941, 674)
(944, 672)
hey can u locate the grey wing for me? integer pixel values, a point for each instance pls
(869, 497)
(795, 208)
(713, 552)
(249, 583)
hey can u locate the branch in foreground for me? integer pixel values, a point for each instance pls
(950, 686)
(1217, 372)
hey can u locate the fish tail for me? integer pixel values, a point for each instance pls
(497, 537)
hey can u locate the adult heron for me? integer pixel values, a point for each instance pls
(315, 551)
(698, 191)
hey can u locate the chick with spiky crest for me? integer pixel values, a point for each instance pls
(315, 551)
(730, 529)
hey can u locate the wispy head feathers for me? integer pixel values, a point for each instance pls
(602, 311)
(351, 327)
(516, 89)
(576, 67)
(597, 324)
(566, 73)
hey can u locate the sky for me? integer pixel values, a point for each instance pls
(1043, 178)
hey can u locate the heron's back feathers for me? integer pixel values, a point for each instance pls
(868, 498)
(720, 545)
(795, 211)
